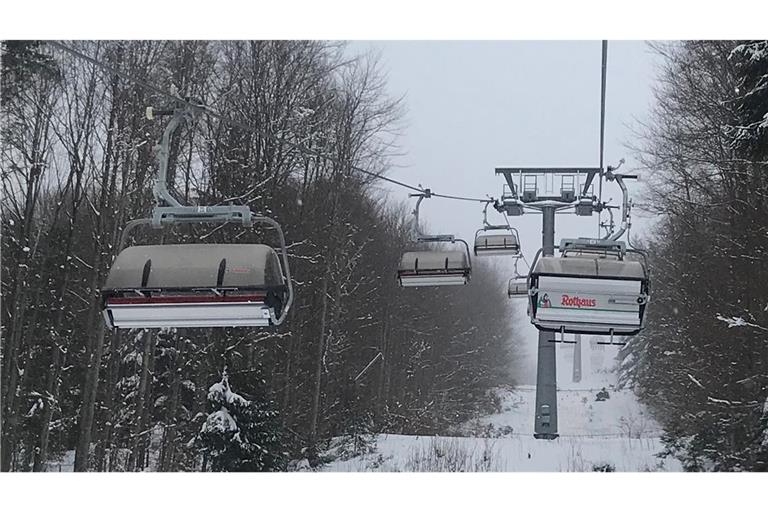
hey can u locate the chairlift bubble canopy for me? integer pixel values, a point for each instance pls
(496, 241)
(198, 285)
(434, 268)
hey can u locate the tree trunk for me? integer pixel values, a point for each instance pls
(58, 341)
(41, 454)
(137, 458)
(168, 450)
(113, 371)
(317, 379)
(380, 393)
(89, 399)
(294, 353)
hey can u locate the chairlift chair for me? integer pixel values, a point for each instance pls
(591, 289)
(497, 240)
(501, 240)
(517, 287)
(197, 285)
(434, 267)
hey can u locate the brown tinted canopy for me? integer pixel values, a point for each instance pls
(195, 266)
(589, 267)
(425, 261)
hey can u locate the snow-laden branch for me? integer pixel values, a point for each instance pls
(695, 381)
(737, 321)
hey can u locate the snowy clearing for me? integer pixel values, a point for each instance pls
(617, 432)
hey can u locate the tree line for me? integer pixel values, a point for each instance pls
(702, 362)
(78, 163)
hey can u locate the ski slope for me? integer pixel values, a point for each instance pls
(617, 432)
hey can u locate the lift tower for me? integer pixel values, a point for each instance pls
(535, 188)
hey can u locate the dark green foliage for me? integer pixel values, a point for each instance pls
(239, 434)
(603, 468)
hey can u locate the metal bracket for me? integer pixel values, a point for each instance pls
(421, 237)
(596, 245)
(585, 207)
(626, 204)
(185, 114)
(192, 214)
(168, 210)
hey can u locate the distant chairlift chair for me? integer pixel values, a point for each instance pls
(497, 241)
(501, 240)
(434, 267)
(518, 285)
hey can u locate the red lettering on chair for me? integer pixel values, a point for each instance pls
(578, 302)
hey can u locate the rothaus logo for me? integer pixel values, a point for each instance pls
(577, 302)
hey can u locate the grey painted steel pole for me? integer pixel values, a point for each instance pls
(577, 359)
(545, 426)
(548, 231)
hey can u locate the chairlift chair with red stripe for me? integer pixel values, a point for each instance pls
(593, 288)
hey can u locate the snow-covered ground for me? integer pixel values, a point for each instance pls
(421, 453)
(65, 464)
(617, 432)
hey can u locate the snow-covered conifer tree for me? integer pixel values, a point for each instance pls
(239, 434)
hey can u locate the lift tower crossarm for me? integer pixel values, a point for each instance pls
(510, 173)
(588, 181)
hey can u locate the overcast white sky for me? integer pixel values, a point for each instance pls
(474, 105)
